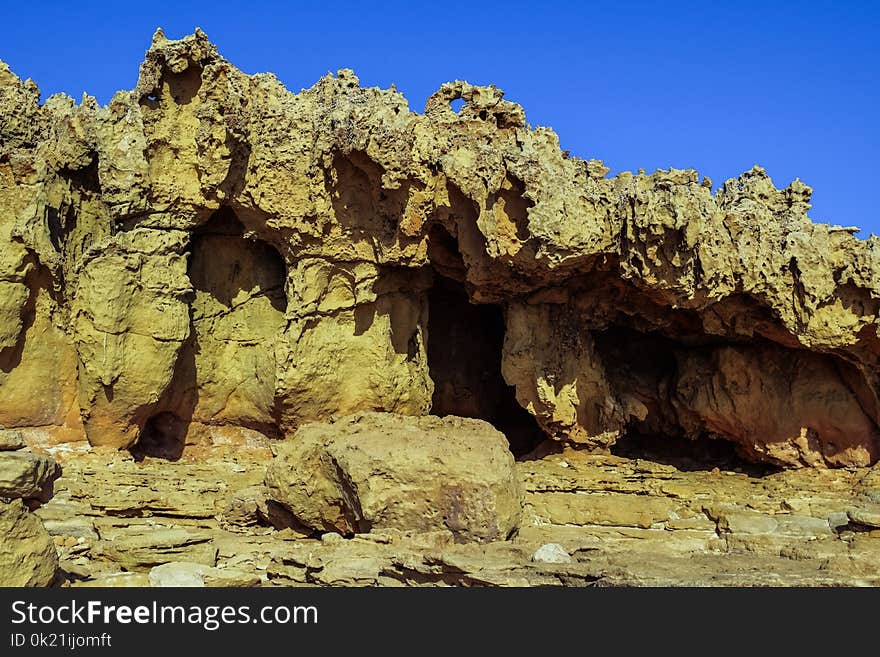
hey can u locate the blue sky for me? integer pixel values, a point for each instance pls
(793, 86)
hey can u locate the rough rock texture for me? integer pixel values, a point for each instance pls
(377, 471)
(185, 574)
(621, 521)
(27, 552)
(212, 250)
(26, 476)
(10, 440)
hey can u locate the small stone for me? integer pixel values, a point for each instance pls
(178, 574)
(196, 575)
(551, 553)
(747, 522)
(798, 525)
(10, 440)
(76, 527)
(189, 574)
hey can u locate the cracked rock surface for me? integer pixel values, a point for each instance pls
(619, 521)
(27, 553)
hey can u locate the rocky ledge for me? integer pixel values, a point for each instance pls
(586, 519)
(211, 267)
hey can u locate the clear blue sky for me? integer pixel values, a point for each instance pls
(716, 86)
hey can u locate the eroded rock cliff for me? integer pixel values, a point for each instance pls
(210, 250)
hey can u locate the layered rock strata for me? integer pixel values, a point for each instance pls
(614, 521)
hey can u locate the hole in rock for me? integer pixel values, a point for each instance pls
(643, 365)
(465, 341)
(457, 104)
(234, 271)
(237, 314)
(514, 205)
(163, 437)
(184, 85)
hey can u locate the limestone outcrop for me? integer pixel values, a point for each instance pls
(212, 250)
(27, 553)
(26, 476)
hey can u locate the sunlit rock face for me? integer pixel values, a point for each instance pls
(212, 250)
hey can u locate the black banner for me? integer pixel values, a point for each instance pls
(129, 621)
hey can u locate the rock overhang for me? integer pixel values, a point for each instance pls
(738, 291)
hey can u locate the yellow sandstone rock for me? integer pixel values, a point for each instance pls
(378, 471)
(27, 553)
(212, 250)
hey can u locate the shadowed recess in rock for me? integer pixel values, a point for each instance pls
(163, 436)
(464, 358)
(779, 405)
(225, 372)
(688, 455)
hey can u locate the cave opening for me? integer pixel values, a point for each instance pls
(163, 437)
(645, 367)
(465, 342)
(225, 372)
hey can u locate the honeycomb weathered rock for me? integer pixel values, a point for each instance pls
(212, 249)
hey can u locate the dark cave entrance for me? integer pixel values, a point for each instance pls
(645, 365)
(688, 455)
(163, 437)
(465, 342)
(225, 372)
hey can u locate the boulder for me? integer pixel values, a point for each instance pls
(382, 471)
(27, 553)
(27, 476)
(868, 515)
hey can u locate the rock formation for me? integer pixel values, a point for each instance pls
(27, 552)
(379, 471)
(205, 522)
(210, 252)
